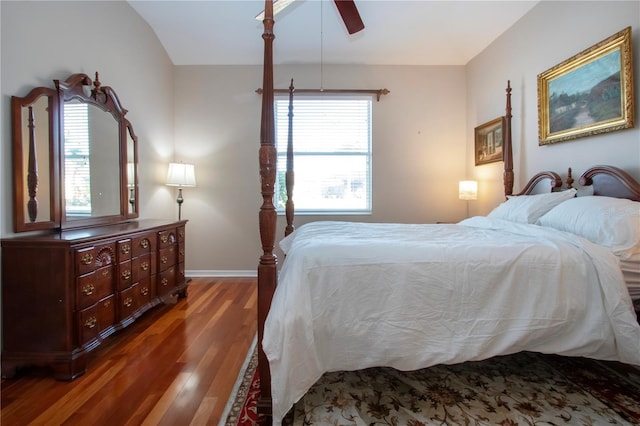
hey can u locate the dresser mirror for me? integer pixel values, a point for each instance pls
(75, 157)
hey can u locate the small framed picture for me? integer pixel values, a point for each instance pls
(489, 141)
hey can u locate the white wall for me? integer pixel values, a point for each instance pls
(550, 33)
(47, 40)
(418, 150)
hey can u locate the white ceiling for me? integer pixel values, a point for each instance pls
(397, 32)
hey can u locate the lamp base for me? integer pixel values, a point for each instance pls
(179, 200)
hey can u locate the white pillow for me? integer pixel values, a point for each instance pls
(610, 222)
(529, 208)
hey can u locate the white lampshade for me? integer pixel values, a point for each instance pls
(131, 175)
(468, 190)
(181, 174)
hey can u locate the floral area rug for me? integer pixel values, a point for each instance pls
(521, 389)
(242, 408)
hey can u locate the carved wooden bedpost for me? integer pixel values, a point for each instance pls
(267, 268)
(508, 147)
(32, 170)
(569, 180)
(289, 177)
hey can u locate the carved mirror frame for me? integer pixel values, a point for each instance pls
(39, 160)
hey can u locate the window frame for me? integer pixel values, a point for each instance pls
(280, 184)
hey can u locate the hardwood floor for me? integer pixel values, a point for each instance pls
(176, 365)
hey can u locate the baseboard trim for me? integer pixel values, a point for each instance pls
(224, 273)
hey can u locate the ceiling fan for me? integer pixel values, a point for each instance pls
(347, 9)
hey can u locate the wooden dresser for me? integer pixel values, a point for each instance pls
(64, 292)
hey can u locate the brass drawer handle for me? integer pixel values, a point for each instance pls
(125, 249)
(164, 259)
(144, 291)
(164, 282)
(144, 243)
(91, 322)
(86, 259)
(164, 238)
(126, 274)
(88, 289)
(105, 272)
(182, 252)
(144, 266)
(128, 302)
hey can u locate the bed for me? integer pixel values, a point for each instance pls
(549, 272)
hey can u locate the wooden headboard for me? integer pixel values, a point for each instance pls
(554, 178)
(611, 181)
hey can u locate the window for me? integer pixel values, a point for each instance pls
(77, 190)
(332, 153)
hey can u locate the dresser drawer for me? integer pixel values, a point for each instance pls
(143, 244)
(84, 259)
(166, 238)
(88, 324)
(140, 268)
(104, 281)
(123, 249)
(166, 281)
(88, 259)
(166, 257)
(127, 302)
(86, 291)
(143, 295)
(124, 275)
(106, 312)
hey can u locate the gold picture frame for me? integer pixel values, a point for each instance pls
(589, 93)
(489, 141)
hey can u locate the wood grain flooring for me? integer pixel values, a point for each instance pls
(176, 365)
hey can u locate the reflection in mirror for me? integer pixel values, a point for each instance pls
(131, 172)
(91, 161)
(34, 160)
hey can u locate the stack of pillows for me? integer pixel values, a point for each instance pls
(610, 222)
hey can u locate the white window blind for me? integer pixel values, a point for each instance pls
(76, 159)
(332, 153)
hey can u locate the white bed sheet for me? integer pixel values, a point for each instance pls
(631, 274)
(356, 295)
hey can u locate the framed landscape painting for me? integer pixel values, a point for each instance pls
(589, 93)
(488, 141)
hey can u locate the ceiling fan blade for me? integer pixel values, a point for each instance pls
(350, 15)
(278, 6)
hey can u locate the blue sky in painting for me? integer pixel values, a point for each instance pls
(585, 77)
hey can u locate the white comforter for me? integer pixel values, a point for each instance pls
(357, 295)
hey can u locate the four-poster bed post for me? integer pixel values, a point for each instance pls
(289, 180)
(507, 153)
(267, 268)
